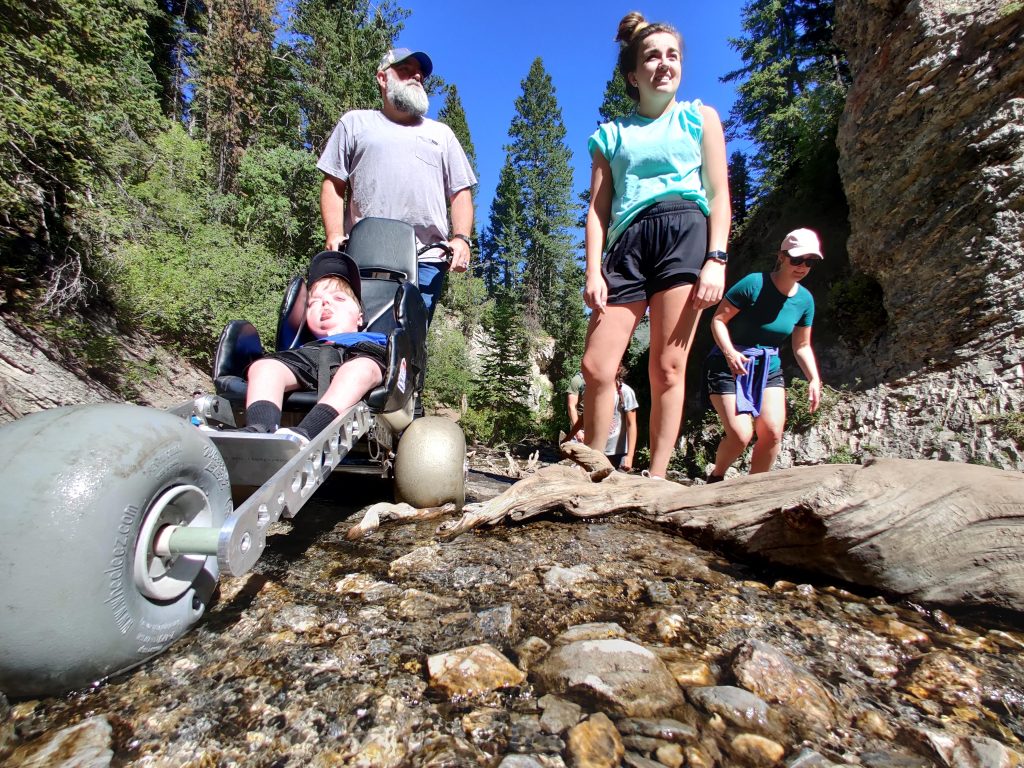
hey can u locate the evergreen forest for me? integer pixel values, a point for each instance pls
(157, 166)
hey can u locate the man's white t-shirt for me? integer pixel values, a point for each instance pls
(396, 171)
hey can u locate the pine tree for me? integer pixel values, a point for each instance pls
(173, 29)
(503, 387)
(503, 246)
(540, 160)
(793, 84)
(616, 102)
(232, 80)
(453, 115)
(335, 50)
(739, 187)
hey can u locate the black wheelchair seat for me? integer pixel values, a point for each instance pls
(385, 251)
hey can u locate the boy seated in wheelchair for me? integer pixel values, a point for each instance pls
(356, 360)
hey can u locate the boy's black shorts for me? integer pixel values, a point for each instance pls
(663, 247)
(304, 362)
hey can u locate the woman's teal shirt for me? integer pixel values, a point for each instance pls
(651, 161)
(766, 318)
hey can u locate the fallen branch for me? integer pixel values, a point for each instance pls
(941, 532)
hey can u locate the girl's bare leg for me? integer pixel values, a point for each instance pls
(607, 338)
(673, 324)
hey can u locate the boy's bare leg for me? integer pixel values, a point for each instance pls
(268, 381)
(350, 384)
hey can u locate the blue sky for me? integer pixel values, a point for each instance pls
(486, 48)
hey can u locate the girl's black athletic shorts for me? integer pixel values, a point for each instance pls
(663, 247)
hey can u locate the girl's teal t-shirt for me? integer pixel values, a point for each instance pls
(766, 317)
(651, 161)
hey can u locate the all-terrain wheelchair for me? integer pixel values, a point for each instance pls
(122, 518)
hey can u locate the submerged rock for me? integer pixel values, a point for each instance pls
(471, 671)
(620, 676)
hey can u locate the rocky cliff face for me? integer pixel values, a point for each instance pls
(932, 160)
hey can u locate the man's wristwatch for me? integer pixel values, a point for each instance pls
(465, 238)
(720, 256)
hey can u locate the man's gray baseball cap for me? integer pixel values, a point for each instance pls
(395, 55)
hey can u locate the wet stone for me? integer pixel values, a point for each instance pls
(664, 729)
(898, 631)
(738, 707)
(893, 760)
(808, 758)
(578, 580)
(600, 631)
(86, 745)
(499, 624)
(530, 651)
(470, 671)
(633, 760)
(757, 750)
(942, 677)
(628, 679)
(671, 755)
(769, 673)
(417, 604)
(526, 735)
(559, 714)
(642, 744)
(283, 670)
(658, 593)
(521, 761)
(985, 753)
(595, 743)
(689, 674)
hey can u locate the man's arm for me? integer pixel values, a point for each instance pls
(462, 224)
(332, 209)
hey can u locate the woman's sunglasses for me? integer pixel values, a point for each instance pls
(799, 261)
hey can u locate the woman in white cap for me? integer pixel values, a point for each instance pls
(744, 373)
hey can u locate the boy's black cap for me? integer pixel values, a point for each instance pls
(338, 264)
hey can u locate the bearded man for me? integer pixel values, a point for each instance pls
(395, 163)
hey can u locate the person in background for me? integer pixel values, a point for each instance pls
(621, 445)
(744, 373)
(574, 406)
(659, 215)
(394, 163)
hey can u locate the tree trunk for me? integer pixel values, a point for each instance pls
(945, 533)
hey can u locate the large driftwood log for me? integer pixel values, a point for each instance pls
(945, 533)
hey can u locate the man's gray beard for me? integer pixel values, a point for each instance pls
(406, 96)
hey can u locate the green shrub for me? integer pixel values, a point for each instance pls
(799, 418)
(1009, 425)
(842, 455)
(449, 372)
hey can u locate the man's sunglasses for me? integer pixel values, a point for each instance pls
(799, 261)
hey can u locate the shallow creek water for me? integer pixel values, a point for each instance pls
(319, 657)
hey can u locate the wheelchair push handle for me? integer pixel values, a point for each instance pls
(446, 250)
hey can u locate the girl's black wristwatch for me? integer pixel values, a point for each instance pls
(719, 256)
